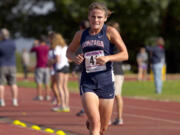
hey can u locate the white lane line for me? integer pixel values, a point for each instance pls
(152, 118)
(151, 109)
(143, 117)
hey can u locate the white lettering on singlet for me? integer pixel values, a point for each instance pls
(93, 43)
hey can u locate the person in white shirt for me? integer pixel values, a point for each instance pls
(56, 100)
(62, 71)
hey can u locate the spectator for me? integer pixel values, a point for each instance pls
(7, 67)
(142, 58)
(62, 71)
(25, 59)
(118, 82)
(52, 65)
(42, 73)
(157, 53)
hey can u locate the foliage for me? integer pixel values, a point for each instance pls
(140, 20)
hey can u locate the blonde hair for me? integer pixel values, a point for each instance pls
(57, 39)
(101, 6)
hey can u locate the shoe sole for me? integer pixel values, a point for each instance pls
(87, 124)
(117, 124)
(80, 115)
(60, 110)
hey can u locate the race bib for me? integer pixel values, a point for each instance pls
(90, 61)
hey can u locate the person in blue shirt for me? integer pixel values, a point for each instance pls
(97, 85)
(157, 57)
(7, 67)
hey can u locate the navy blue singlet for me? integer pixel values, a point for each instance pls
(96, 78)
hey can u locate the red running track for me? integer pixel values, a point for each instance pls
(141, 117)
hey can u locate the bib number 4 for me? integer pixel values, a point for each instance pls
(90, 61)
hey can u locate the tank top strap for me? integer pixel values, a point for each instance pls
(104, 29)
(84, 34)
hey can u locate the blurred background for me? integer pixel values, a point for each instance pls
(141, 21)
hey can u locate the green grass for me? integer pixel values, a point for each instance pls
(171, 89)
(26, 84)
(72, 85)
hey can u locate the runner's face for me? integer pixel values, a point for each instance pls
(97, 18)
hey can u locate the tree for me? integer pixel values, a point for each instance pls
(140, 21)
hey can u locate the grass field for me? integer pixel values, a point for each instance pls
(135, 89)
(171, 90)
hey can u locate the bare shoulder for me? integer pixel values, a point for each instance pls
(77, 36)
(78, 33)
(110, 29)
(76, 40)
(111, 32)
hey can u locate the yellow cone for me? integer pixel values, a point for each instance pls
(60, 132)
(16, 122)
(49, 130)
(22, 124)
(35, 127)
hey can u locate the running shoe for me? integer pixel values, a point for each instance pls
(15, 102)
(2, 103)
(61, 109)
(56, 109)
(48, 98)
(66, 109)
(39, 98)
(118, 122)
(110, 123)
(54, 101)
(80, 113)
